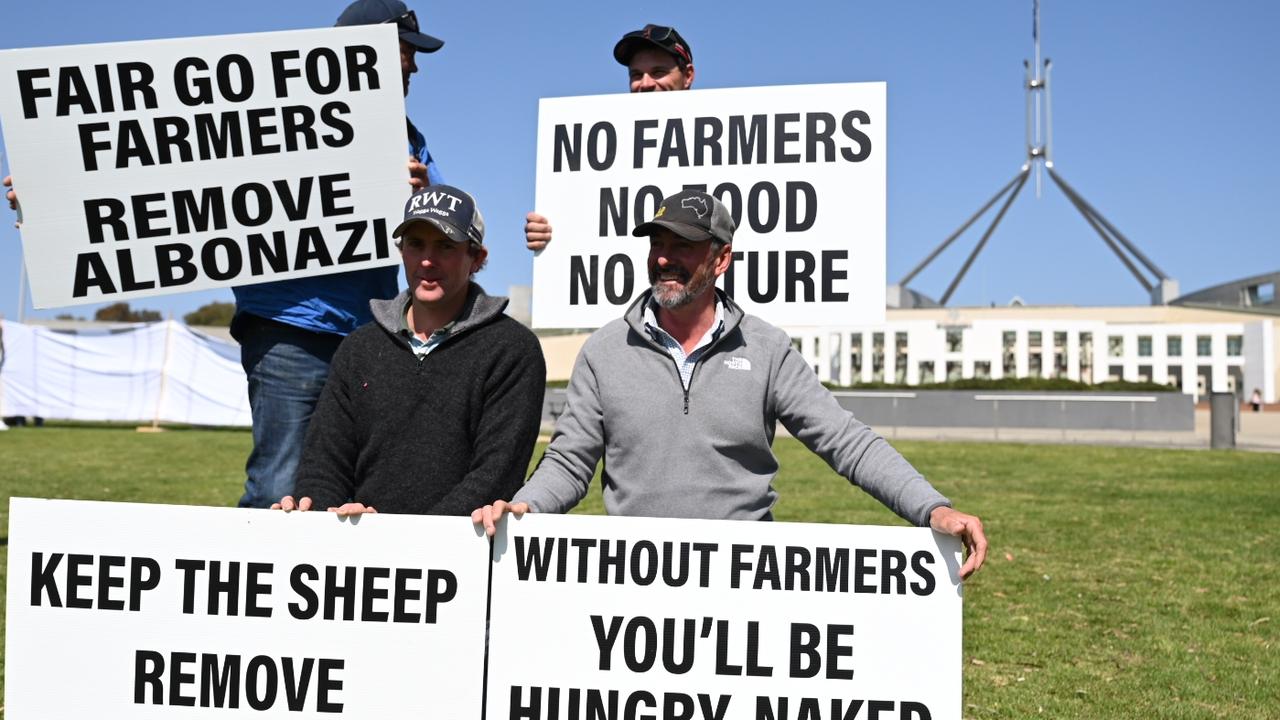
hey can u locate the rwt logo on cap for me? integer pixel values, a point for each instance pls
(433, 202)
(451, 210)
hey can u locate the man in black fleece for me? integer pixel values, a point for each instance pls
(434, 407)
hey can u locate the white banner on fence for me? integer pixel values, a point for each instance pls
(801, 168)
(719, 620)
(152, 611)
(148, 168)
(158, 372)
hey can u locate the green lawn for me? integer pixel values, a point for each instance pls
(1122, 583)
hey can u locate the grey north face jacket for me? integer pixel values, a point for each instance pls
(706, 452)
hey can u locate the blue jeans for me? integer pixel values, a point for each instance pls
(286, 368)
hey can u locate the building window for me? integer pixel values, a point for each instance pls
(1174, 345)
(1144, 373)
(926, 372)
(982, 369)
(1033, 339)
(1235, 345)
(1175, 376)
(1010, 357)
(1034, 367)
(955, 340)
(1204, 345)
(877, 357)
(1060, 341)
(855, 356)
(1115, 373)
(1115, 346)
(1144, 346)
(900, 358)
(1261, 294)
(955, 370)
(795, 343)
(1086, 357)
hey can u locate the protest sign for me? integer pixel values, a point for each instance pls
(118, 610)
(148, 168)
(800, 168)
(628, 618)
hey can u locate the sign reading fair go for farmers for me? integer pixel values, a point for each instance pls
(800, 168)
(146, 168)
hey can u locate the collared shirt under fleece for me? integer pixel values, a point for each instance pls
(705, 452)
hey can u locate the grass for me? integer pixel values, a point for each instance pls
(1121, 583)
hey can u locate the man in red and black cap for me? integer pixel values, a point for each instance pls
(658, 59)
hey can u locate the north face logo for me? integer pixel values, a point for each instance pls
(696, 204)
(738, 363)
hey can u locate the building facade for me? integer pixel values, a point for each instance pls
(1194, 349)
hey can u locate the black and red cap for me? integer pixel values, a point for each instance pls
(664, 38)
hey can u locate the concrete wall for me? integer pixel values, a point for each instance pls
(1021, 409)
(1174, 412)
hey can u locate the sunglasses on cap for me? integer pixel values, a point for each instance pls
(664, 36)
(407, 21)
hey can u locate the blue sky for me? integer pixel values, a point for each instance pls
(1163, 114)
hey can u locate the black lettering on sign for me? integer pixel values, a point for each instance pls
(325, 71)
(585, 279)
(599, 704)
(78, 577)
(806, 659)
(810, 708)
(853, 133)
(602, 147)
(379, 594)
(331, 115)
(371, 594)
(788, 275)
(920, 562)
(222, 586)
(74, 91)
(220, 681)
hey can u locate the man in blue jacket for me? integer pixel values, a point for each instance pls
(288, 330)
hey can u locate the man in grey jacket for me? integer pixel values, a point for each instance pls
(682, 395)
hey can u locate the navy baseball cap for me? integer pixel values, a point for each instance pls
(666, 39)
(693, 215)
(451, 210)
(374, 12)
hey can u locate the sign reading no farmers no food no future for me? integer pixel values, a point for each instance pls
(800, 168)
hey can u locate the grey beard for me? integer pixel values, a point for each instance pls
(673, 299)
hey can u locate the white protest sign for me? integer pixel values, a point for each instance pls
(118, 610)
(720, 620)
(801, 169)
(148, 168)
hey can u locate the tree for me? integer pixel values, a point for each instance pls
(217, 314)
(120, 312)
